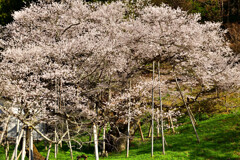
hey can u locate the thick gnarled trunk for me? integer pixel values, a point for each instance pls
(35, 155)
(116, 137)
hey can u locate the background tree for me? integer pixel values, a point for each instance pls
(7, 8)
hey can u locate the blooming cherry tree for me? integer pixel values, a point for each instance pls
(59, 57)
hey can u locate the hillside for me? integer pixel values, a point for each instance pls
(220, 138)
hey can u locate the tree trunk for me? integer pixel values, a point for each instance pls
(90, 139)
(99, 131)
(36, 154)
(217, 92)
(116, 136)
(238, 10)
(222, 11)
(228, 13)
(116, 142)
(30, 147)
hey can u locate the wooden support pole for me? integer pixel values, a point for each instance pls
(19, 155)
(128, 133)
(24, 145)
(129, 120)
(191, 118)
(161, 109)
(7, 150)
(45, 129)
(158, 125)
(104, 139)
(70, 144)
(169, 124)
(194, 120)
(150, 130)
(55, 131)
(6, 140)
(61, 100)
(172, 126)
(4, 129)
(16, 150)
(49, 150)
(165, 142)
(140, 130)
(153, 109)
(56, 145)
(17, 143)
(96, 124)
(30, 145)
(45, 144)
(95, 141)
(105, 125)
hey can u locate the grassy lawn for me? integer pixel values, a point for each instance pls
(220, 139)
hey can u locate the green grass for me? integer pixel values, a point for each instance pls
(219, 135)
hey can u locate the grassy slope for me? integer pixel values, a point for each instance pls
(220, 139)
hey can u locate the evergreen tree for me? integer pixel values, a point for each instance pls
(7, 7)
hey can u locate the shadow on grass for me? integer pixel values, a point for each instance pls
(65, 148)
(220, 139)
